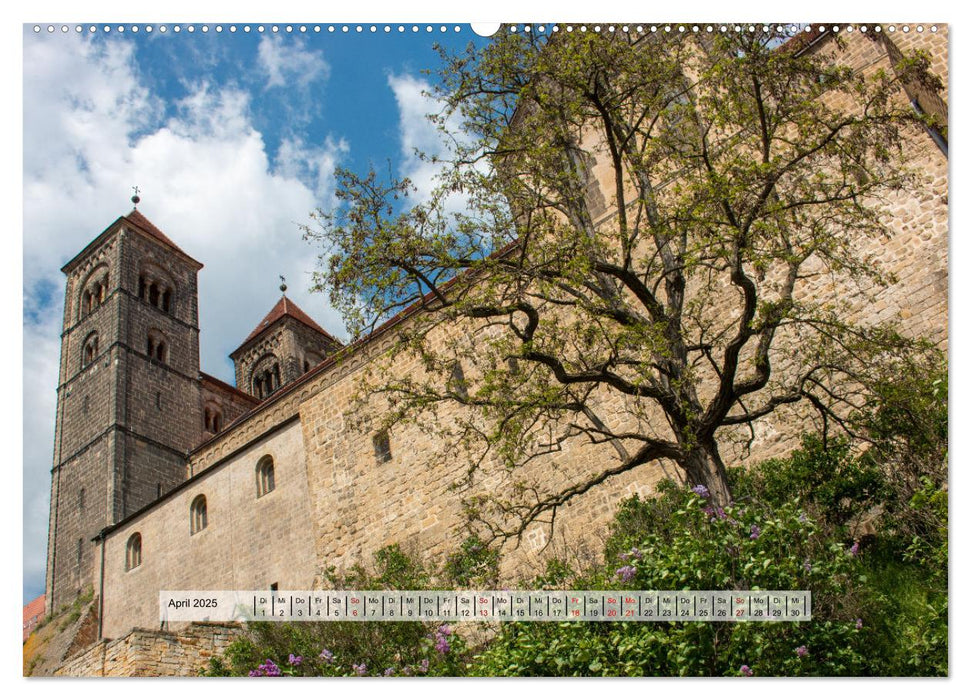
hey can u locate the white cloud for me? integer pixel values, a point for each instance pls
(91, 130)
(418, 134)
(287, 63)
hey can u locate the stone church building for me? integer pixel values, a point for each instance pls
(165, 477)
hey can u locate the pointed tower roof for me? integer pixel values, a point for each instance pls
(135, 221)
(284, 307)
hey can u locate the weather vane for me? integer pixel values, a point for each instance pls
(283, 284)
(135, 199)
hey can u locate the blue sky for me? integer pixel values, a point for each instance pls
(233, 138)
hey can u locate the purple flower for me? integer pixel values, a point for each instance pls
(389, 671)
(859, 623)
(623, 557)
(756, 531)
(803, 518)
(327, 656)
(441, 644)
(854, 549)
(807, 565)
(802, 651)
(267, 669)
(635, 553)
(626, 573)
(745, 670)
(423, 666)
(701, 491)
(709, 511)
(295, 660)
(255, 673)
(359, 669)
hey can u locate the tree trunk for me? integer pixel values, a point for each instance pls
(704, 467)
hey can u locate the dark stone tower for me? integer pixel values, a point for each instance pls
(128, 397)
(285, 344)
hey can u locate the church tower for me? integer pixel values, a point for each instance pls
(283, 346)
(128, 397)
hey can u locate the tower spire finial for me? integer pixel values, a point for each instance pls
(135, 199)
(283, 284)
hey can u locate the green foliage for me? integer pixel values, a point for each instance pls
(475, 565)
(826, 476)
(679, 541)
(352, 648)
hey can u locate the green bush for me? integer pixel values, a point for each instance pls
(677, 541)
(351, 648)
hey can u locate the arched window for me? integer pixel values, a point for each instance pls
(198, 515)
(94, 290)
(90, 349)
(266, 376)
(155, 287)
(265, 481)
(382, 446)
(133, 552)
(156, 346)
(212, 418)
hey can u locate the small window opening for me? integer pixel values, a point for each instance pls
(382, 446)
(198, 514)
(133, 552)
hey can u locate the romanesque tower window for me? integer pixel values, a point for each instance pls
(155, 288)
(266, 377)
(90, 350)
(265, 480)
(133, 552)
(382, 446)
(212, 419)
(198, 514)
(95, 290)
(156, 346)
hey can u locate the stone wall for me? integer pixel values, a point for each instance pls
(154, 653)
(250, 542)
(336, 502)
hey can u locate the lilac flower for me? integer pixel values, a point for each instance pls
(626, 573)
(423, 666)
(710, 512)
(441, 644)
(803, 518)
(389, 671)
(720, 513)
(267, 669)
(359, 669)
(701, 491)
(854, 549)
(745, 670)
(635, 553)
(756, 531)
(807, 565)
(295, 660)
(623, 556)
(327, 656)
(802, 651)
(859, 623)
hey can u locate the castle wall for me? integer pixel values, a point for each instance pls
(249, 542)
(153, 653)
(336, 502)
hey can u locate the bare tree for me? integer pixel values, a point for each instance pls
(646, 225)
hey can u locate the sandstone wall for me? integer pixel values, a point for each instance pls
(153, 653)
(249, 542)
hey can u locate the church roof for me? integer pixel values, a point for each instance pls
(285, 307)
(136, 221)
